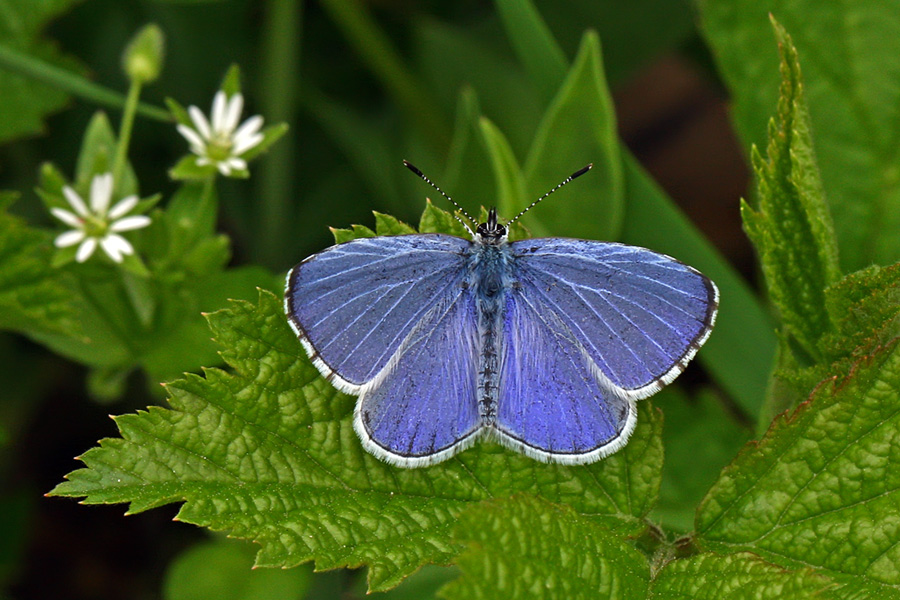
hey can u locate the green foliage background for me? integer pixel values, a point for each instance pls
(772, 471)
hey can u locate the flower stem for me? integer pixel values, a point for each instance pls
(131, 102)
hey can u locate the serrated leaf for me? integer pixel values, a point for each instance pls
(848, 51)
(33, 297)
(578, 128)
(821, 489)
(791, 227)
(26, 102)
(355, 231)
(735, 577)
(435, 220)
(527, 548)
(388, 225)
(267, 451)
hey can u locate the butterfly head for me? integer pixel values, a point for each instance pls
(492, 232)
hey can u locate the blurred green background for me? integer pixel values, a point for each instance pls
(363, 85)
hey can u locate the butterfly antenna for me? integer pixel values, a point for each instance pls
(577, 173)
(415, 170)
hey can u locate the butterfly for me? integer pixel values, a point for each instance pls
(543, 345)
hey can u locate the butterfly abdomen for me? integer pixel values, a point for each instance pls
(491, 283)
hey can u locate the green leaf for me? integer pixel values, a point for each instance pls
(578, 128)
(468, 173)
(735, 577)
(179, 113)
(741, 349)
(355, 231)
(231, 82)
(527, 548)
(97, 151)
(821, 489)
(187, 169)
(852, 84)
(508, 176)
(267, 452)
(455, 58)
(701, 437)
(388, 225)
(435, 220)
(534, 44)
(270, 136)
(26, 102)
(223, 570)
(33, 297)
(791, 227)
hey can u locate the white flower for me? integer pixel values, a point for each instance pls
(99, 224)
(222, 142)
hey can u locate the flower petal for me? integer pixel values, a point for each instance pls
(224, 168)
(123, 207)
(233, 114)
(101, 193)
(246, 143)
(116, 246)
(200, 122)
(85, 250)
(238, 164)
(75, 201)
(69, 238)
(219, 108)
(129, 223)
(67, 217)
(198, 146)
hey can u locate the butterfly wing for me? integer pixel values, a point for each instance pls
(423, 408)
(639, 315)
(354, 304)
(550, 404)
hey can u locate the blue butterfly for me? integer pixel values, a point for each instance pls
(543, 345)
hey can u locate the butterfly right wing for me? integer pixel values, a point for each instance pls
(354, 304)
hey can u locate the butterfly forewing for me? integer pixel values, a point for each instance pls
(355, 303)
(639, 315)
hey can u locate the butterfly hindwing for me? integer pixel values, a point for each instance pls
(354, 304)
(638, 314)
(423, 408)
(551, 404)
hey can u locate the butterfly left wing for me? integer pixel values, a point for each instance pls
(423, 407)
(639, 315)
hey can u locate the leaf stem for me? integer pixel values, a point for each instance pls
(131, 102)
(28, 66)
